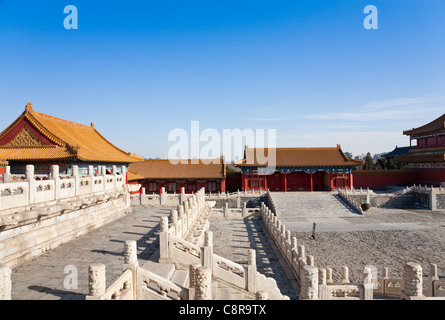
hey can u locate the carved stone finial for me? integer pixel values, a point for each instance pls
(309, 285)
(412, 279)
(203, 284)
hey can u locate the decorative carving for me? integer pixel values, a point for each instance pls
(203, 284)
(261, 295)
(24, 138)
(412, 279)
(309, 285)
(96, 279)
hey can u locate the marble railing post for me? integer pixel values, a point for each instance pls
(412, 282)
(244, 214)
(329, 279)
(309, 283)
(75, 174)
(207, 250)
(5, 283)
(174, 221)
(163, 196)
(163, 241)
(203, 283)
(432, 276)
(182, 196)
(29, 176)
(368, 286)
(96, 281)
(55, 177)
(322, 284)
(192, 280)
(130, 255)
(181, 224)
(251, 271)
(131, 261)
(7, 175)
(344, 275)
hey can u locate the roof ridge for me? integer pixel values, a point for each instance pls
(61, 120)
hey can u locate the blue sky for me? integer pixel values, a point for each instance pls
(308, 69)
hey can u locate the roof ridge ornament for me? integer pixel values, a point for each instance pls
(28, 106)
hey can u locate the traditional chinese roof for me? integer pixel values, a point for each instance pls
(174, 169)
(133, 176)
(398, 151)
(297, 157)
(421, 158)
(432, 127)
(37, 136)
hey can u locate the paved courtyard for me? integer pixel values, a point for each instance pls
(381, 237)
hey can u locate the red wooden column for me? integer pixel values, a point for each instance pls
(265, 182)
(223, 185)
(330, 181)
(244, 182)
(312, 183)
(351, 184)
(285, 182)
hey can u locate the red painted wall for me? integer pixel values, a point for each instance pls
(384, 178)
(431, 176)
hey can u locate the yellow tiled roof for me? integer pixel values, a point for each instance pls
(71, 140)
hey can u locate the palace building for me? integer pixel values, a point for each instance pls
(296, 169)
(427, 154)
(154, 174)
(43, 140)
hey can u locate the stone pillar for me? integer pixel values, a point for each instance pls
(5, 283)
(130, 254)
(310, 260)
(244, 210)
(412, 282)
(182, 196)
(75, 175)
(203, 283)
(226, 210)
(344, 275)
(55, 177)
(368, 286)
(192, 280)
(7, 175)
(91, 172)
(432, 276)
(163, 241)
(174, 221)
(251, 271)
(207, 250)
(309, 283)
(96, 281)
(433, 199)
(238, 201)
(29, 176)
(329, 279)
(181, 223)
(322, 284)
(163, 196)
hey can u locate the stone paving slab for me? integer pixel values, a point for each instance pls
(43, 277)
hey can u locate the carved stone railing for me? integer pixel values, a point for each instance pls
(136, 283)
(351, 200)
(14, 194)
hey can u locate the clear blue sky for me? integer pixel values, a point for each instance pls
(308, 69)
